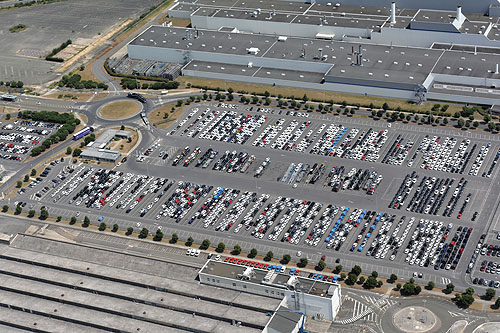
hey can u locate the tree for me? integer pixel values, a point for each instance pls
(286, 259)
(189, 241)
(394, 116)
(408, 117)
(73, 220)
(342, 276)
(449, 288)
(122, 127)
(497, 303)
(401, 115)
(430, 285)
(58, 219)
(489, 294)
(393, 278)
(380, 113)
(469, 291)
(475, 124)
(418, 289)
(33, 173)
(77, 152)
(269, 256)
(303, 262)
(144, 233)
(19, 184)
(385, 106)
(408, 289)
(351, 279)
(374, 113)
(44, 214)
(352, 111)
(129, 232)
(361, 280)
(31, 213)
(445, 120)
(356, 270)
(491, 126)
(398, 286)
(205, 244)
(174, 238)
(375, 274)
(370, 283)
(68, 151)
(305, 98)
(220, 247)
(5, 208)
(115, 228)
(253, 253)
(416, 117)
(236, 250)
(460, 123)
(464, 300)
(321, 265)
(86, 220)
(102, 226)
(337, 269)
(158, 235)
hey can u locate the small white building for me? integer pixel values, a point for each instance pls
(319, 299)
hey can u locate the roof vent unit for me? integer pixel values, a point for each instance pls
(324, 57)
(393, 13)
(250, 65)
(253, 50)
(292, 282)
(247, 274)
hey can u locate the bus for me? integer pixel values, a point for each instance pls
(82, 133)
(137, 96)
(10, 98)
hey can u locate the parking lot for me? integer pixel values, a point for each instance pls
(22, 54)
(353, 195)
(17, 138)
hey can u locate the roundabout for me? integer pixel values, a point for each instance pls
(119, 110)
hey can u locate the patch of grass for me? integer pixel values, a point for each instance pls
(119, 109)
(351, 99)
(18, 28)
(157, 116)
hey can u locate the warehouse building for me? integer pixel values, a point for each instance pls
(99, 289)
(413, 73)
(395, 24)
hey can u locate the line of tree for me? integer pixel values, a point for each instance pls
(50, 56)
(12, 84)
(69, 125)
(75, 82)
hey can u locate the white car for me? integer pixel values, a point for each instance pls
(188, 252)
(196, 253)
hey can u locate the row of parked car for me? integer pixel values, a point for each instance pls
(398, 151)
